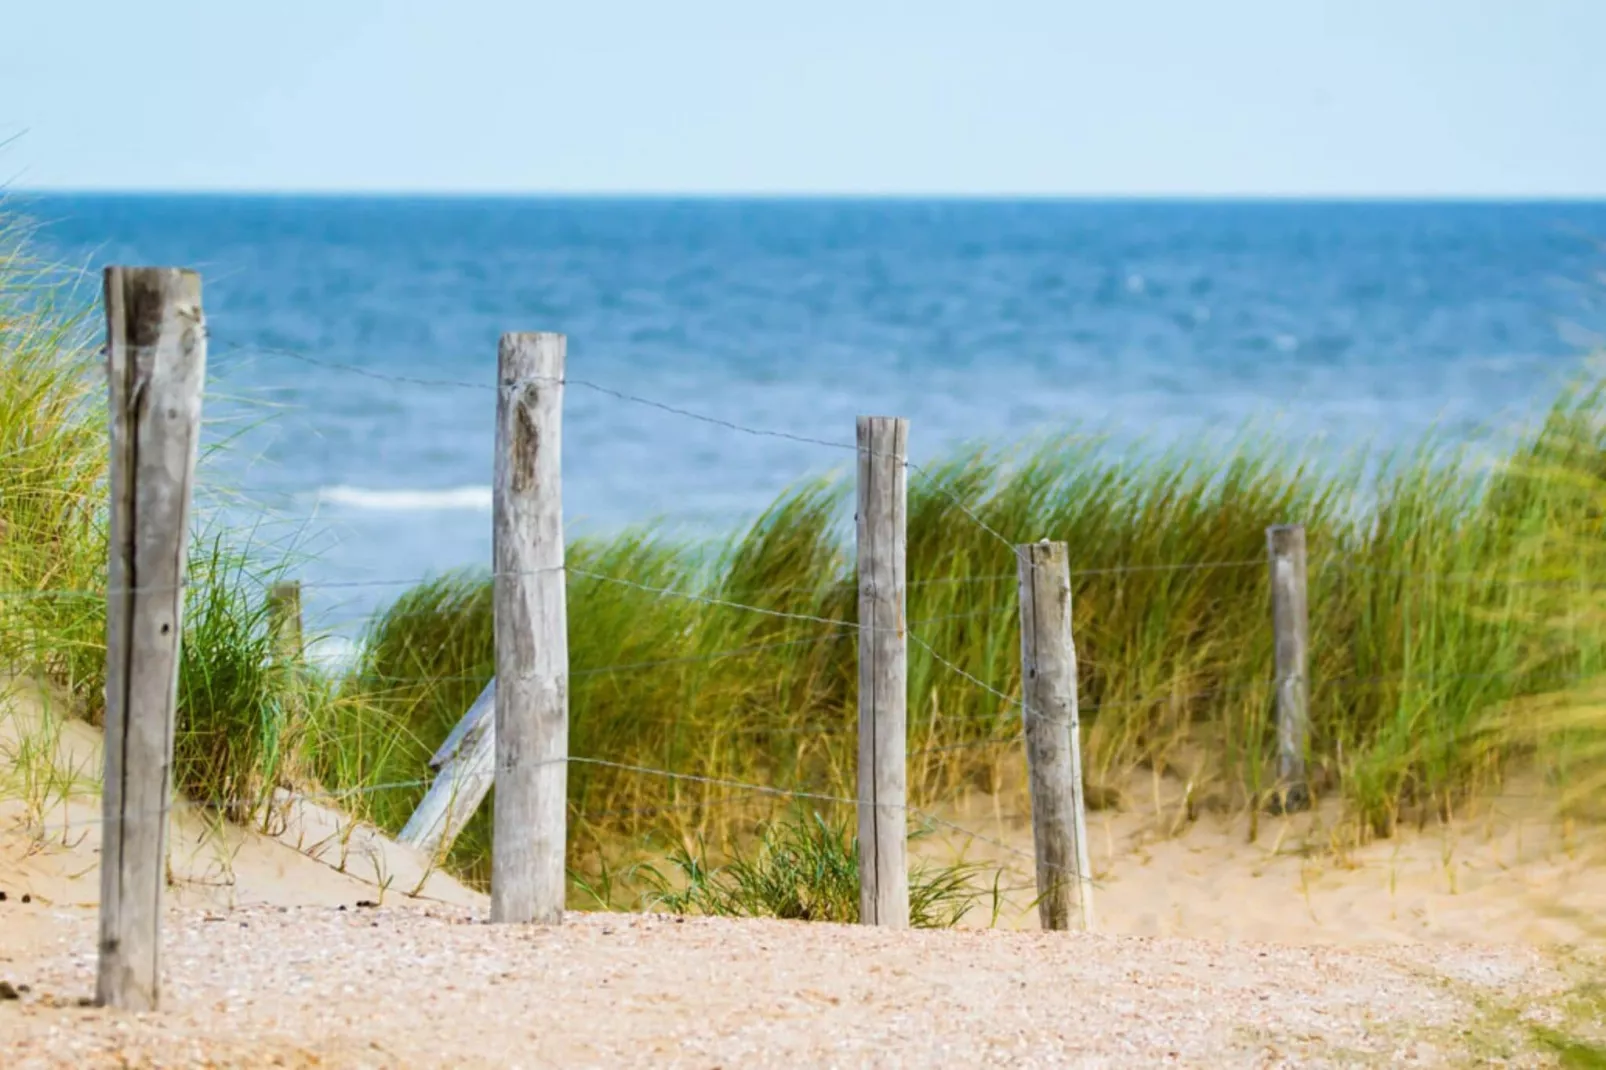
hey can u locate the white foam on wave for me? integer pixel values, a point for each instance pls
(408, 501)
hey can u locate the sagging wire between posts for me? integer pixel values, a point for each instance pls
(352, 369)
(421, 580)
(766, 790)
(670, 592)
(959, 504)
(480, 679)
(931, 479)
(413, 581)
(165, 588)
(1343, 684)
(1192, 566)
(566, 380)
(1340, 562)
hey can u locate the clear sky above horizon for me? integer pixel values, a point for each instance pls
(1139, 97)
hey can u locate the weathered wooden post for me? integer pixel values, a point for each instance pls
(1053, 739)
(284, 620)
(156, 372)
(1290, 623)
(530, 820)
(883, 672)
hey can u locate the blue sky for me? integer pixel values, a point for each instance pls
(1122, 97)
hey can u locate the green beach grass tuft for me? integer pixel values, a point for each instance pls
(803, 868)
(1427, 578)
(245, 717)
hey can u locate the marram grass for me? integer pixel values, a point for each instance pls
(246, 719)
(1429, 576)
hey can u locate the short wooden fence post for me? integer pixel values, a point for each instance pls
(1053, 739)
(1290, 623)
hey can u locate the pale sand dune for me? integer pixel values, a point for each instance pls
(315, 856)
(1506, 873)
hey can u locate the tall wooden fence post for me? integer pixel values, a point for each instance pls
(1053, 738)
(156, 372)
(530, 821)
(883, 672)
(1290, 623)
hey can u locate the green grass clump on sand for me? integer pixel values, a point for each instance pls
(52, 471)
(1427, 572)
(804, 868)
(245, 718)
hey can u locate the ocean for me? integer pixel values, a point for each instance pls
(353, 342)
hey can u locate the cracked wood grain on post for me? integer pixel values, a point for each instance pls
(882, 523)
(531, 745)
(156, 372)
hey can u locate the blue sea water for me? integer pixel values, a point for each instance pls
(1156, 322)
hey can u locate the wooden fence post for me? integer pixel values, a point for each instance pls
(156, 372)
(883, 672)
(530, 819)
(284, 620)
(1053, 738)
(1289, 614)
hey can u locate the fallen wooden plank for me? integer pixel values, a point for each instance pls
(466, 767)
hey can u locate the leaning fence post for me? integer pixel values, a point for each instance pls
(463, 770)
(156, 371)
(883, 672)
(1289, 614)
(1053, 738)
(529, 819)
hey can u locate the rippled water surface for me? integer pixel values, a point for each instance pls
(977, 320)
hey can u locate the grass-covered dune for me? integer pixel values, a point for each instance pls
(1446, 593)
(1435, 588)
